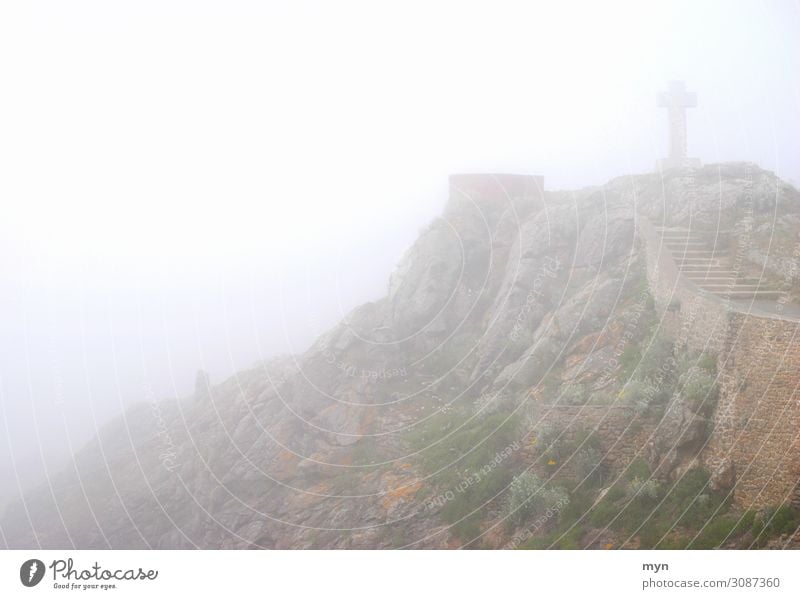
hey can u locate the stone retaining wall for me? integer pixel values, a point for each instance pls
(757, 424)
(757, 421)
(620, 432)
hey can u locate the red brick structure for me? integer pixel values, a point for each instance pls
(497, 186)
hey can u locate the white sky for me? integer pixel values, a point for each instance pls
(198, 183)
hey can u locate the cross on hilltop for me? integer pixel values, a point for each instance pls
(676, 100)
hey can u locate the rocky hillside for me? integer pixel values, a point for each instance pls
(515, 388)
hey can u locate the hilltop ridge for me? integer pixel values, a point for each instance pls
(527, 354)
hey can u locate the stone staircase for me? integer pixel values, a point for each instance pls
(707, 264)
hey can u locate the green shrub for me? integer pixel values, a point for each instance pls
(550, 384)
(574, 394)
(466, 499)
(698, 387)
(602, 397)
(746, 522)
(589, 467)
(656, 354)
(462, 450)
(468, 528)
(673, 542)
(637, 394)
(636, 516)
(640, 488)
(529, 498)
(708, 362)
(629, 360)
(580, 502)
(468, 443)
(774, 522)
(638, 468)
(692, 504)
(567, 538)
(603, 513)
(650, 535)
(716, 533)
(615, 493)
(785, 520)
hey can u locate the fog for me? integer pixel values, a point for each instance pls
(192, 185)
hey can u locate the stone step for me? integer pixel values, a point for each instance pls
(718, 271)
(680, 258)
(751, 295)
(697, 250)
(678, 248)
(712, 280)
(700, 263)
(704, 262)
(705, 266)
(691, 231)
(751, 281)
(709, 273)
(682, 239)
(724, 278)
(701, 281)
(693, 239)
(680, 251)
(734, 287)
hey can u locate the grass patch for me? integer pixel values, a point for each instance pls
(472, 456)
(775, 522)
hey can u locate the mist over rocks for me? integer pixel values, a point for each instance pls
(514, 320)
(715, 196)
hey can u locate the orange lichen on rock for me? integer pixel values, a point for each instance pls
(285, 464)
(399, 489)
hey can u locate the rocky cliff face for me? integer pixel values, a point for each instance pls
(518, 341)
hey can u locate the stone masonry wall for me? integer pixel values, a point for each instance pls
(621, 433)
(757, 424)
(757, 421)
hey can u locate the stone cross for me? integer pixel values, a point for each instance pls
(676, 100)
